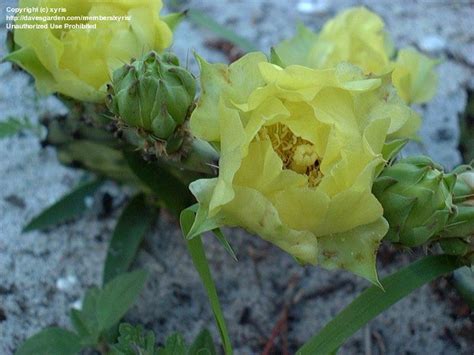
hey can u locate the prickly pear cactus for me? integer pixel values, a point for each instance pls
(417, 199)
(152, 97)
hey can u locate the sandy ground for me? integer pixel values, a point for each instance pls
(42, 275)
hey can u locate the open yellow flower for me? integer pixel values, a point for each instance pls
(79, 62)
(358, 36)
(299, 151)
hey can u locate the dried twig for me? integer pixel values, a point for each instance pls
(380, 343)
(280, 329)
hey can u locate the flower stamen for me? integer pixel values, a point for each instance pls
(296, 153)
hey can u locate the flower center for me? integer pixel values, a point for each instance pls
(296, 153)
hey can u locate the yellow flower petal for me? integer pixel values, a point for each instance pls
(357, 37)
(354, 250)
(414, 76)
(300, 149)
(262, 170)
(296, 50)
(80, 62)
(251, 210)
(219, 80)
(232, 151)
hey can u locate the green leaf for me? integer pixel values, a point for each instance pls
(10, 127)
(69, 206)
(51, 341)
(199, 259)
(78, 323)
(87, 337)
(223, 240)
(89, 305)
(174, 193)
(14, 125)
(201, 19)
(203, 344)
(131, 227)
(118, 296)
(85, 321)
(374, 301)
(174, 345)
(134, 340)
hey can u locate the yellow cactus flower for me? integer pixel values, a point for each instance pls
(299, 151)
(78, 59)
(358, 36)
(414, 76)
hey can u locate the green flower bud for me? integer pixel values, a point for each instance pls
(460, 224)
(464, 188)
(153, 94)
(152, 98)
(417, 199)
(457, 237)
(455, 246)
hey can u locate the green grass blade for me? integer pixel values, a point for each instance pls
(374, 301)
(198, 256)
(69, 206)
(129, 232)
(173, 192)
(201, 19)
(225, 244)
